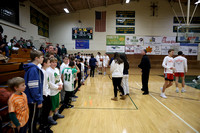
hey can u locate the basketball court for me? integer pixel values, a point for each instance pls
(95, 112)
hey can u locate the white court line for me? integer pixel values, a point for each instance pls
(171, 111)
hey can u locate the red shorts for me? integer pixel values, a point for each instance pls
(169, 76)
(179, 74)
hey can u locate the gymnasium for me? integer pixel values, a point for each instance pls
(109, 26)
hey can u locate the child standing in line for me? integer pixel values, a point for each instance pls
(63, 66)
(44, 127)
(86, 68)
(34, 83)
(18, 105)
(82, 71)
(78, 75)
(68, 80)
(55, 85)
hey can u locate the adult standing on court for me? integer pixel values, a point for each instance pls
(168, 64)
(180, 64)
(145, 65)
(116, 68)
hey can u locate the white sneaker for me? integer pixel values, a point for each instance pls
(177, 91)
(163, 95)
(183, 90)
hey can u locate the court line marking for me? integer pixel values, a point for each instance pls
(171, 111)
(106, 108)
(133, 102)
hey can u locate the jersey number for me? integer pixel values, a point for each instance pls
(67, 77)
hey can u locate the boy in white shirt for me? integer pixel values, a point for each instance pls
(44, 127)
(168, 64)
(68, 80)
(63, 66)
(180, 64)
(82, 70)
(105, 62)
(55, 85)
(99, 59)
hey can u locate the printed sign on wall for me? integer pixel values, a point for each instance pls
(115, 40)
(113, 49)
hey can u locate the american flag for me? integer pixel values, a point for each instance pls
(100, 21)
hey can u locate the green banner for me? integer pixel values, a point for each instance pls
(125, 22)
(115, 40)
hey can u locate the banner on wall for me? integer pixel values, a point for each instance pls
(153, 49)
(190, 48)
(113, 49)
(115, 40)
(150, 40)
(82, 44)
(129, 49)
(168, 39)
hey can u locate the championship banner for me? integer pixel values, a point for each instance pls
(113, 49)
(115, 40)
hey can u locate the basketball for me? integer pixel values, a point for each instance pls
(101, 59)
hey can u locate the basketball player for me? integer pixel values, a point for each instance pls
(105, 62)
(168, 64)
(180, 64)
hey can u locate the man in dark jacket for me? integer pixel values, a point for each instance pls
(145, 66)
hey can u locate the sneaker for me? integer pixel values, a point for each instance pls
(59, 116)
(114, 99)
(183, 90)
(51, 121)
(145, 93)
(177, 91)
(163, 95)
(123, 97)
(73, 99)
(70, 106)
(75, 96)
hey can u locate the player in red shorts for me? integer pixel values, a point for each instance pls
(168, 64)
(180, 64)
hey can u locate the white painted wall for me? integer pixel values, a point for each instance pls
(146, 25)
(26, 29)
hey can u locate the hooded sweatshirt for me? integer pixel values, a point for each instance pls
(34, 83)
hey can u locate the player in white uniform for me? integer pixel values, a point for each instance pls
(68, 81)
(105, 62)
(168, 64)
(180, 64)
(99, 59)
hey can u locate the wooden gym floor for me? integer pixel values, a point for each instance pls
(94, 112)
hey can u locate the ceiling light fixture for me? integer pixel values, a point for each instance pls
(127, 1)
(197, 2)
(66, 10)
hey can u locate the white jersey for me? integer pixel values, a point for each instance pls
(68, 78)
(46, 90)
(88, 59)
(168, 62)
(54, 80)
(105, 60)
(180, 64)
(63, 66)
(82, 67)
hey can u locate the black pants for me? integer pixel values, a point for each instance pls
(145, 80)
(67, 100)
(117, 83)
(92, 71)
(46, 107)
(33, 117)
(22, 129)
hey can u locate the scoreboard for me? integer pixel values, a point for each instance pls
(82, 33)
